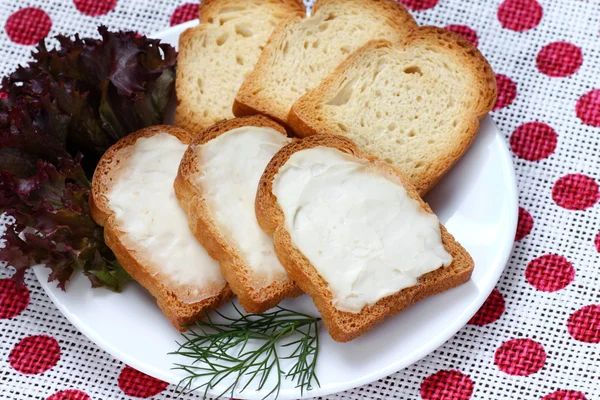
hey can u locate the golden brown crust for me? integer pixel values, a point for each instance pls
(210, 9)
(179, 313)
(233, 266)
(397, 13)
(250, 101)
(344, 326)
(305, 119)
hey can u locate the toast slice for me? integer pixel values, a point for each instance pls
(216, 56)
(294, 253)
(216, 185)
(415, 105)
(301, 52)
(132, 197)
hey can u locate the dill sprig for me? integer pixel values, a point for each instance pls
(251, 346)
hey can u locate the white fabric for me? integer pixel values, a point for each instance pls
(530, 313)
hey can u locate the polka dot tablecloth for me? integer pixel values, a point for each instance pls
(538, 334)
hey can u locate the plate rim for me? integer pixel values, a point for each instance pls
(426, 349)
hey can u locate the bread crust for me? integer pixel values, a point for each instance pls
(179, 313)
(211, 8)
(249, 100)
(345, 326)
(233, 266)
(305, 120)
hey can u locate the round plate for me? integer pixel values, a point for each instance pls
(476, 201)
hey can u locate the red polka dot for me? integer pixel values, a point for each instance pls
(533, 141)
(584, 324)
(420, 5)
(3, 95)
(565, 395)
(575, 192)
(559, 59)
(550, 273)
(35, 354)
(28, 25)
(521, 357)
(525, 224)
(137, 384)
(465, 32)
(507, 91)
(12, 300)
(597, 242)
(588, 108)
(94, 8)
(70, 394)
(184, 13)
(445, 385)
(520, 15)
(490, 311)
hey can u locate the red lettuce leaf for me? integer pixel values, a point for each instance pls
(53, 226)
(58, 115)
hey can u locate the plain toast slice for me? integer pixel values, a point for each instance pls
(133, 198)
(415, 105)
(303, 51)
(216, 185)
(216, 56)
(343, 325)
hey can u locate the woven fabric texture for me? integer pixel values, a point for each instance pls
(538, 334)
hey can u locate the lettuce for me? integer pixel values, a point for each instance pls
(58, 115)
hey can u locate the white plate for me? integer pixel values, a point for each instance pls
(477, 202)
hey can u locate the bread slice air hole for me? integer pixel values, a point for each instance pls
(244, 30)
(222, 39)
(343, 96)
(413, 70)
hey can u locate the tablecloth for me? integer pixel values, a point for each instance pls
(538, 334)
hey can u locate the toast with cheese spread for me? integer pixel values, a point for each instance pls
(415, 105)
(354, 234)
(216, 56)
(303, 51)
(133, 198)
(216, 185)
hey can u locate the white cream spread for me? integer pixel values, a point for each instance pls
(359, 228)
(152, 220)
(231, 167)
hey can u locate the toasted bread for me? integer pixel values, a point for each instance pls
(216, 56)
(415, 105)
(222, 216)
(342, 325)
(301, 52)
(181, 296)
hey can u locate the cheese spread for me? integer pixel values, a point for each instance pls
(358, 227)
(152, 220)
(231, 166)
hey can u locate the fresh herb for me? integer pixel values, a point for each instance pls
(58, 115)
(248, 348)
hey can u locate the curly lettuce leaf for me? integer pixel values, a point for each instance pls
(58, 115)
(53, 226)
